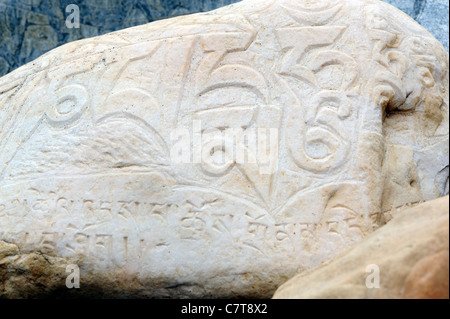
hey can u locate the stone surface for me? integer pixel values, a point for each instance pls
(353, 93)
(411, 252)
(39, 275)
(29, 29)
(30, 275)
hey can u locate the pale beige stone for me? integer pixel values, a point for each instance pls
(411, 253)
(356, 90)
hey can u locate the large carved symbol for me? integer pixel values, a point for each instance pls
(249, 94)
(388, 90)
(60, 109)
(68, 103)
(325, 144)
(326, 77)
(395, 89)
(229, 96)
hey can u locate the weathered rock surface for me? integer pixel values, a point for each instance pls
(411, 252)
(41, 275)
(31, 275)
(354, 96)
(29, 29)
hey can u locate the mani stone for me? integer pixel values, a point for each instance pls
(354, 94)
(410, 256)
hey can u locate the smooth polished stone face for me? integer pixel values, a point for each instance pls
(339, 109)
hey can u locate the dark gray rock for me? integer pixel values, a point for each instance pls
(29, 28)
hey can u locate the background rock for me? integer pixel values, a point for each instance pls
(411, 251)
(30, 28)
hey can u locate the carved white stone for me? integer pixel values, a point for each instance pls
(356, 90)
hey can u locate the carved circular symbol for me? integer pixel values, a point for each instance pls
(68, 104)
(217, 160)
